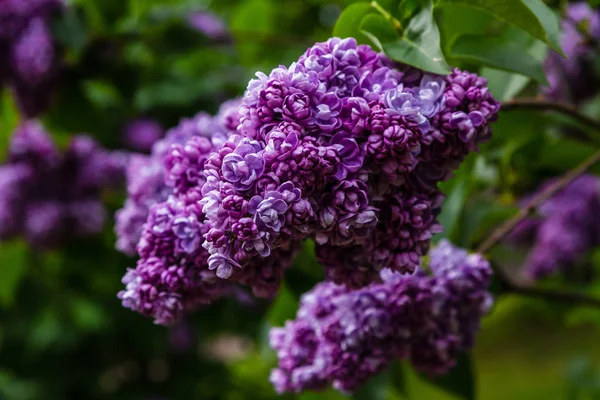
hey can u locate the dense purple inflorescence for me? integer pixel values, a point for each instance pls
(50, 197)
(28, 52)
(565, 230)
(162, 223)
(343, 147)
(575, 79)
(342, 337)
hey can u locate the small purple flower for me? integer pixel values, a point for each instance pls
(466, 124)
(269, 212)
(243, 166)
(223, 266)
(350, 155)
(327, 112)
(296, 108)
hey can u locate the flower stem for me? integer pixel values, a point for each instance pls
(386, 14)
(504, 229)
(540, 104)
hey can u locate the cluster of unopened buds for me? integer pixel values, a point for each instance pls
(343, 147)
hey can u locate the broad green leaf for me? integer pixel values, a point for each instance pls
(349, 22)
(460, 381)
(505, 85)
(499, 53)
(517, 13)
(419, 45)
(406, 9)
(549, 21)
(378, 29)
(13, 265)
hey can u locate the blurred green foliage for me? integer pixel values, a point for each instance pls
(64, 334)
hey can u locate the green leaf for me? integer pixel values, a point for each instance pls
(375, 389)
(460, 381)
(378, 29)
(349, 22)
(453, 206)
(420, 44)
(102, 94)
(397, 378)
(549, 21)
(497, 52)
(517, 13)
(13, 264)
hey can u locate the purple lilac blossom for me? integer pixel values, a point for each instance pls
(345, 148)
(565, 229)
(29, 56)
(208, 24)
(575, 79)
(342, 147)
(51, 197)
(141, 134)
(162, 222)
(342, 337)
(146, 174)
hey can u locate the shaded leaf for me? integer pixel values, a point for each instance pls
(419, 45)
(500, 53)
(13, 264)
(349, 22)
(460, 381)
(397, 378)
(378, 29)
(516, 13)
(549, 21)
(376, 388)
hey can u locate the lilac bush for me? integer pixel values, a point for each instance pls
(565, 229)
(50, 197)
(342, 337)
(29, 56)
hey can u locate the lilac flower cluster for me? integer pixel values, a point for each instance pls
(342, 337)
(141, 134)
(161, 222)
(28, 52)
(49, 197)
(208, 23)
(565, 230)
(343, 147)
(575, 79)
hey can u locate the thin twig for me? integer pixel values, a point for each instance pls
(555, 295)
(540, 104)
(503, 230)
(521, 289)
